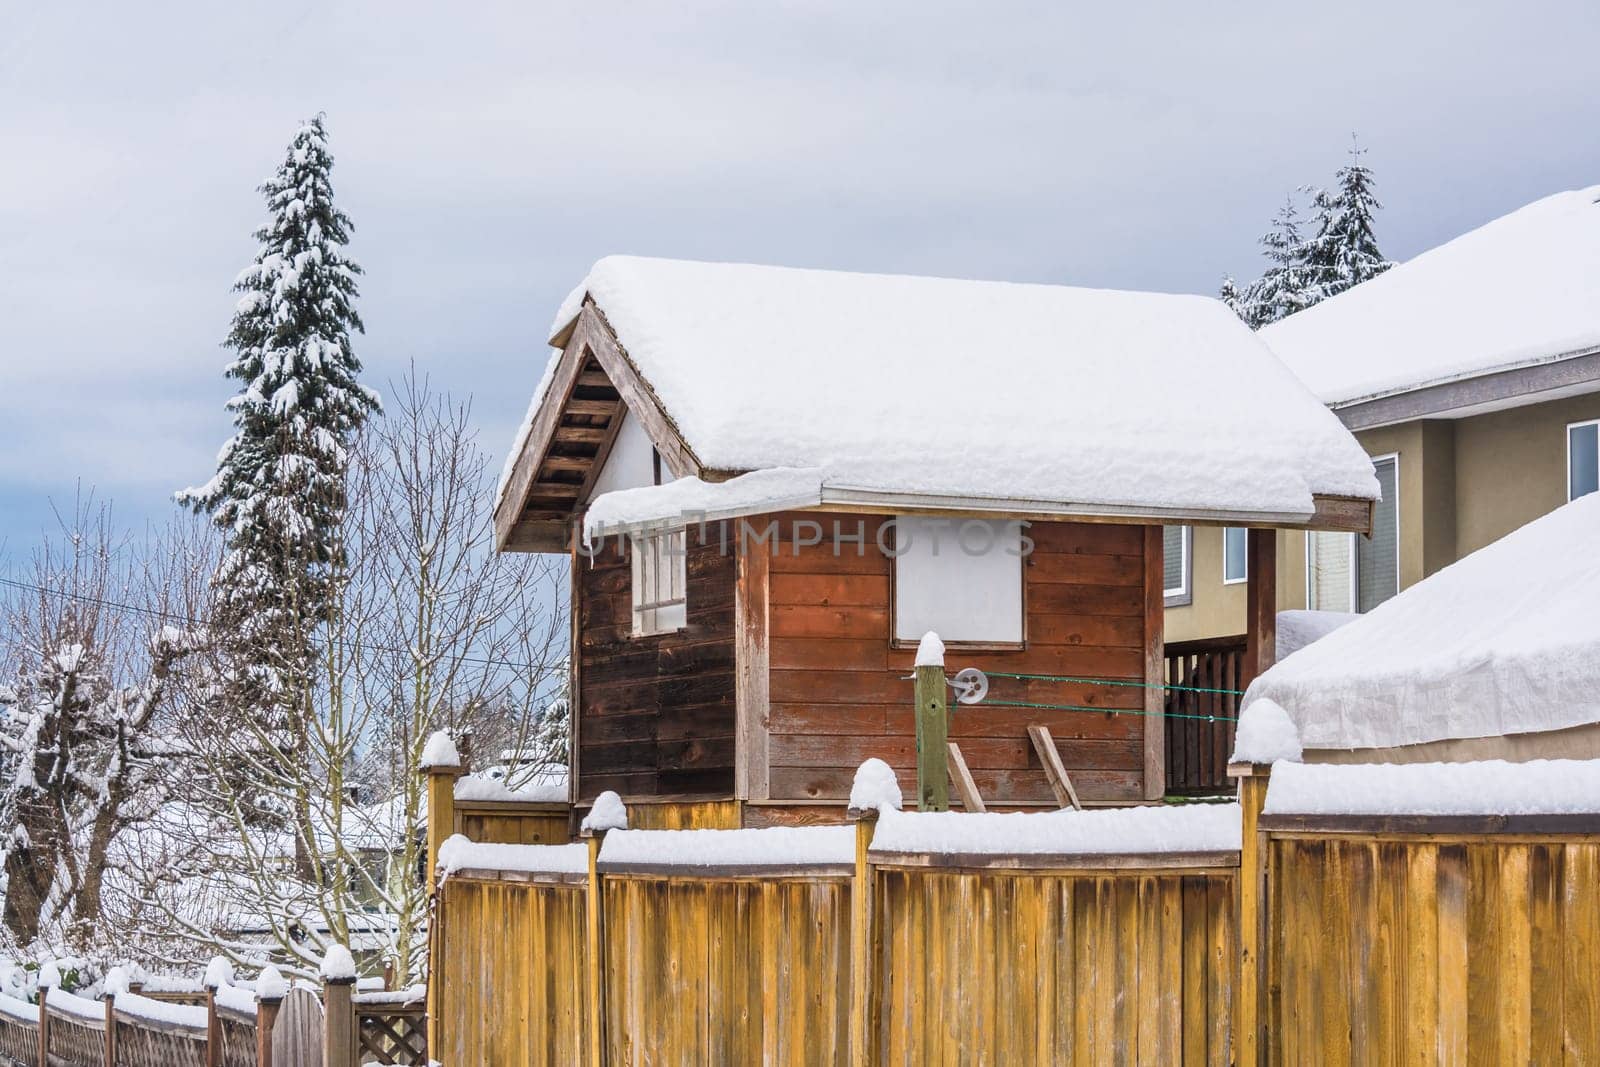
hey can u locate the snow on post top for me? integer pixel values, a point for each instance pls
(875, 788)
(1266, 735)
(49, 975)
(271, 985)
(608, 813)
(116, 981)
(219, 973)
(930, 651)
(338, 965)
(440, 751)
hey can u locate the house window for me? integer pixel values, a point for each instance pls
(960, 578)
(1348, 572)
(1235, 560)
(1583, 458)
(659, 580)
(1177, 546)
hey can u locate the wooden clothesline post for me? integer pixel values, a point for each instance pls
(933, 735)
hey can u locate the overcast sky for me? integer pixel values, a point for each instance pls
(489, 154)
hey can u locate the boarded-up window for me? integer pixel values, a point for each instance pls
(1378, 556)
(659, 580)
(962, 579)
(1235, 560)
(1175, 560)
(1583, 459)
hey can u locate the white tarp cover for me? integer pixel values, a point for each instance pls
(1504, 641)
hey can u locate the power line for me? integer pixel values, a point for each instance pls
(67, 594)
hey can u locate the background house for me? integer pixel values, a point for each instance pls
(847, 419)
(1471, 376)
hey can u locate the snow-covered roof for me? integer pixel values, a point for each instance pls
(1520, 290)
(1504, 641)
(935, 390)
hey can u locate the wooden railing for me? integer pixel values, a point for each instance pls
(1200, 720)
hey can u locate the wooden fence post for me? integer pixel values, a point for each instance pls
(339, 1023)
(213, 1029)
(595, 949)
(44, 1026)
(110, 1001)
(442, 768)
(861, 954)
(1249, 1012)
(266, 1016)
(933, 728)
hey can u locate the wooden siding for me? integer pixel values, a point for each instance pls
(837, 696)
(511, 968)
(656, 714)
(1390, 949)
(729, 970)
(1060, 968)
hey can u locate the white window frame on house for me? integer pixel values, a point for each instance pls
(660, 579)
(1355, 555)
(1582, 425)
(1183, 595)
(1244, 574)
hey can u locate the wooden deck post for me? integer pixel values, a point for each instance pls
(110, 1001)
(1250, 1006)
(595, 951)
(441, 824)
(933, 734)
(213, 1029)
(44, 1026)
(1261, 602)
(339, 1023)
(266, 1015)
(861, 954)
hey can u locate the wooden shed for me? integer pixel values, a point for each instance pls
(754, 469)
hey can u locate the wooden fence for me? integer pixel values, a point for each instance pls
(1209, 673)
(215, 1028)
(895, 957)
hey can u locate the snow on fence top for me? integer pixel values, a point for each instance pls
(189, 1016)
(608, 813)
(1490, 787)
(1178, 408)
(1265, 735)
(776, 846)
(338, 965)
(74, 1005)
(17, 1009)
(1504, 641)
(1516, 291)
(459, 854)
(875, 788)
(1108, 831)
(236, 999)
(543, 789)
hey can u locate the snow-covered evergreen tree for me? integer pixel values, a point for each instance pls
(279, 491)
(1284, 288)
(1343, 252)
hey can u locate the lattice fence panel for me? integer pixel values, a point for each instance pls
(140, 1047)
(393, 1038)
(19, 1042)
(238, 1042)
(74, 1043)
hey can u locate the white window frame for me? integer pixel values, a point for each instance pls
(1183, 595)
(659, 594)
(1355, 555)
(1582, 424)
(1245, 577)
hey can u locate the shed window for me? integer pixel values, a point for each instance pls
(1583, 459)
(1176, 549)
(961, 578)
(1235, 560)
(1348, 572)
(659, 581)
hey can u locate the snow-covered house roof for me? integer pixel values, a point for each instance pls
(913, 392)
(1519, 292)
(1504, 642)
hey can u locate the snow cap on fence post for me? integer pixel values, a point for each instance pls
(219, 972)
(439, 753)
(608, 813)
(117, 980)
(338, 966)
(930, 651)
(271, 985)
(49, 975)
(874, 790)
